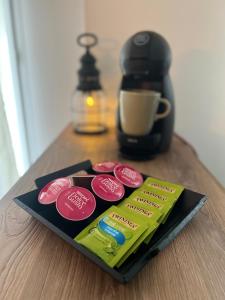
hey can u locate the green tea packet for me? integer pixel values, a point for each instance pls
(144, 189)
(162, 191)
(112, 234)
(152, 213)
(145, 215)
(164, 187)
(152, 203)
(156, 196)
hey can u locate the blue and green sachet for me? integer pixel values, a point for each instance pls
(111, 235)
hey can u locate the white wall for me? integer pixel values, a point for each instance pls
(48, 55)
(196, 33)
(46, 33)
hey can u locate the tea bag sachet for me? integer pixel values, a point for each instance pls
(111, 235)
(162, 191)
(137, 199)
(164, 187)
(152, 203)
(144, 214)
(149, 217)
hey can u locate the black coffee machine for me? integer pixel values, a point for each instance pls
(145, 61)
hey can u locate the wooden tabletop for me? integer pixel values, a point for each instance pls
(36, 264)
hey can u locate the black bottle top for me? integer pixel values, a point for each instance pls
(88, 74)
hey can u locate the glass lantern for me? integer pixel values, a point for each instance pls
(88, 101)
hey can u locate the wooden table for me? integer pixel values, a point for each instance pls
(36, 264)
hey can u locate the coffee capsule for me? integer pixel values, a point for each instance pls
(76, 203)
(107, 187)
(104, 167)
(50, 192)
(128, 175)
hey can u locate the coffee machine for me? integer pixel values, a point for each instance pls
(145, 60)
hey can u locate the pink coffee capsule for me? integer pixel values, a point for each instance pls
(50, 192)
(107, 187)
(128, 175)
(76, 203)
(104, 167)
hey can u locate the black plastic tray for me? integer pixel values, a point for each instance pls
(186, 207)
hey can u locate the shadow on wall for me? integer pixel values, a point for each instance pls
(200, 94)
(195, 90)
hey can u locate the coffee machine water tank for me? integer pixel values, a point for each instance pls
(145, 60)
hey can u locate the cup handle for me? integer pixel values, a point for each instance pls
(166, 112)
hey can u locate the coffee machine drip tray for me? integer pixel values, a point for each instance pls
(138, 147)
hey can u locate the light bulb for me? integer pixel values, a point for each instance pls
(90, 101)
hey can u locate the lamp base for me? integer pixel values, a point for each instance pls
(95, 128)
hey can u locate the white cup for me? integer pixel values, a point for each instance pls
(138, 110)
